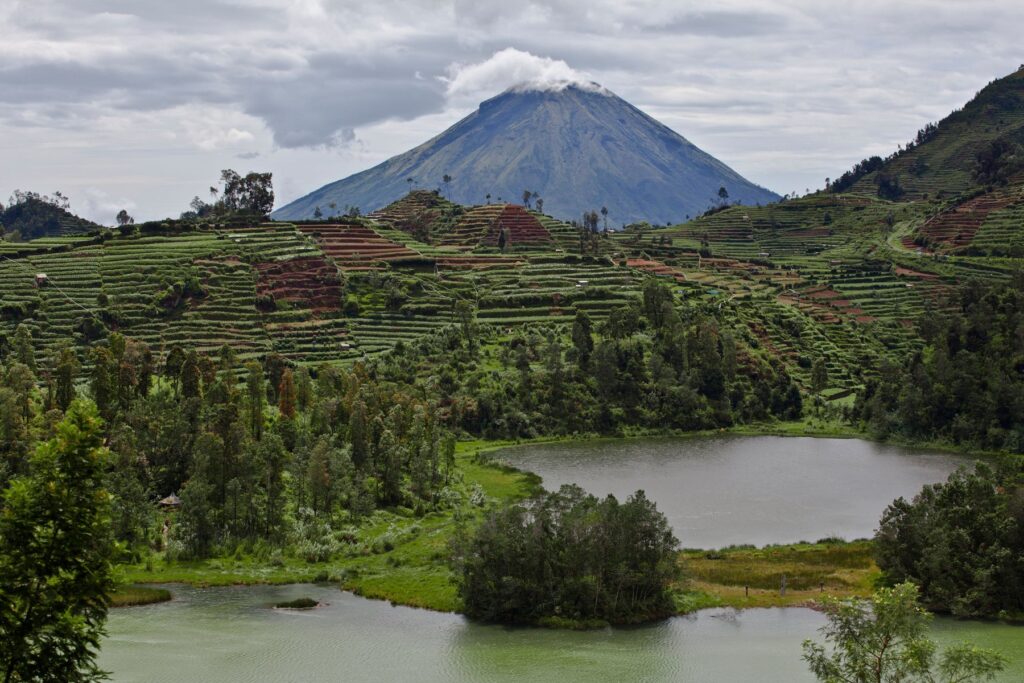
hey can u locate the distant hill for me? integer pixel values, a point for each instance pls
(579, 148)
(34, 217)
(942, 159)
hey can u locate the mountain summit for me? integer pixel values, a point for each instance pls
(578, 146)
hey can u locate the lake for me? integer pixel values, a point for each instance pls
(715, 492)
(231, 634)
(728, 490)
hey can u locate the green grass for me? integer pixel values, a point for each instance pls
(132, 596)
(414, 571)
(752, 577)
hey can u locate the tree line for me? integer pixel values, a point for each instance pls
(652, 363)
(966, 385)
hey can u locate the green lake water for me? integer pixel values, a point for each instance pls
(715, 492)
(232, 634)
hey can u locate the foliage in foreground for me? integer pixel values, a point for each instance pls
(961, 541)
(55, 552)
(567, 557)
(884, 640)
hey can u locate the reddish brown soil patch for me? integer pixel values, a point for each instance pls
(309, 282)
(354, 244)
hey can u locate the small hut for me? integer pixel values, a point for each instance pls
(41, 279)
(170, 502)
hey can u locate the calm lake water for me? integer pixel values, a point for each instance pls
(715, 492)
(230, 634)
(733, 489)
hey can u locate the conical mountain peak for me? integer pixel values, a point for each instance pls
(575, 144)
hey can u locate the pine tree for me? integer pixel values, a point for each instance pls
(24, 353)
(286, 397)
(582, 338)
(256, 398)
(358, 433)
(55, 557)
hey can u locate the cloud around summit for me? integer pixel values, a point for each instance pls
(512, 68)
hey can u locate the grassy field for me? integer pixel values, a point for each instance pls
(752, 577)
(133, 596)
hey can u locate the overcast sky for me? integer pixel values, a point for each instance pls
(140, 103)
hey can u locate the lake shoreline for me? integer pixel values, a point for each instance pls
(423, 582)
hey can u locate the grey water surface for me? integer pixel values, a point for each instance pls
(728, 490)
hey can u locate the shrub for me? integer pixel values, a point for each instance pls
(568, 555)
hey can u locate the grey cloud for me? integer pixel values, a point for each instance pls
(794, 74)
(723, 24)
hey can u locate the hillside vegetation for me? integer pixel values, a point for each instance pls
(305, 386)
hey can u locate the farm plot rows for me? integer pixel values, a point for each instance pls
(419, 214)
(354, 245)
(307, 281)
(487, 225)
(956, 228)
(546, 290)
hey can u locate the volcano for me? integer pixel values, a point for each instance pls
(578, 146)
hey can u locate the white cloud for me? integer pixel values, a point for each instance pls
(512, 68)
(149, 100)
(99, 207)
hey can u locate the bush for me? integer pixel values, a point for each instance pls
(569, 556)
(961, 541)
(298, 603)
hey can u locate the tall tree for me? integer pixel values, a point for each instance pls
(256, 398)
(582, 338)
(286, 395)
(819, 375)
(22, 347)
(65, 374)
(55, 557)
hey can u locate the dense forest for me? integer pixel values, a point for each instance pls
(227, 438)
(961, 542)
(567, 557)
(966, 385)
(652, 363)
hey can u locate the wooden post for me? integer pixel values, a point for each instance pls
(746, 591)
(782, 589)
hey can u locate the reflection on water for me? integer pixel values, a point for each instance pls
(231, 634)
(728, 490)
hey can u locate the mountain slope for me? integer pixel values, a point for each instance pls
(579, 148)
(942, 159)
(34, 217)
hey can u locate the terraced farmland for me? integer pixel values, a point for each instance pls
(354, 245)
(488, 225)
(809, 278)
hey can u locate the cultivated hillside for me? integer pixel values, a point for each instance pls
(943, 159)
(33, 217)
(579, 148)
